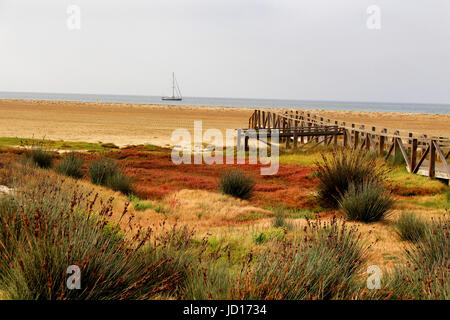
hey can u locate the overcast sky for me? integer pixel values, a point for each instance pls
(287, 49)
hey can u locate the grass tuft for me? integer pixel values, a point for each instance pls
(71, 165)
(140, 205)
(410, 227)
(105, 172)
(237, 184)
(425, 276)
(343, 167)
(367, 202)
(45, 229)
(39, 157)
(324, 264)
(279, 221)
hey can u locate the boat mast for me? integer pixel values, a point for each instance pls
(173, 84)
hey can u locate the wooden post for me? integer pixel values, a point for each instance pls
(432, 164)
(355, 144)
(288, 138)
(413, 154)
(345, 143)
(295, 139)
(396, 147)
(381, 145)
(336, 136)
(410, 142)
(374, 147)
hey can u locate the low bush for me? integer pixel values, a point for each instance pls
(101, 170)
(280, 222)
(120, 182)
(343, 167)
(426, 275)
(71, 165)
(366, 202)
(39, 157)
(324, 264)
(106, 172)
(410, 227)
(237, 184)
(44, 230)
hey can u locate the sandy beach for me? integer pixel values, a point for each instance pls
(127, 124)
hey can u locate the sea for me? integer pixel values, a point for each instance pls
(237, 102)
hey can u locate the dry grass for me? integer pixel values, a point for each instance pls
(230, 224)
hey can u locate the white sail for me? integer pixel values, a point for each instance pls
(176, 92)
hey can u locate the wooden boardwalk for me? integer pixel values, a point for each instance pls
(424, 154)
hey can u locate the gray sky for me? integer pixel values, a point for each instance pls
(287, 49)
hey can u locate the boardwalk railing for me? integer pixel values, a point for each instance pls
(424, 154)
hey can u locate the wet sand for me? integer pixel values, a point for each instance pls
(126, 124)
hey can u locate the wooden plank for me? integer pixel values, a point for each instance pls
(432, 164)
(356, 135)
(349, 139)
(422, 159)
(396, 146)
(441, 154)
(390, 151)
(412, 164)
(381, 145)
(404, 153)
(372, 142)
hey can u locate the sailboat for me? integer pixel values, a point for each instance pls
(176, 93)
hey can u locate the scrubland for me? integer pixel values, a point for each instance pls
(172, 234)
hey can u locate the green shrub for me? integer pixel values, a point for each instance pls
(366, 202)
(140, 205)
(71, 165)
(105, 172)
(426, 275)
(280, 222)
(119, 182)
(260, 238)
(323, 264)
(410, 227)
(101, 170)
(434, 247)
(235, 183)
(44, 230)
(39, 157)
(343, 167)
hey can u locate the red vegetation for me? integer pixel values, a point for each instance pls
(155, 176)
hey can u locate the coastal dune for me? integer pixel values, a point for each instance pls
(127, 124)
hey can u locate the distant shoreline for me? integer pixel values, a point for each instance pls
(236, 102)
